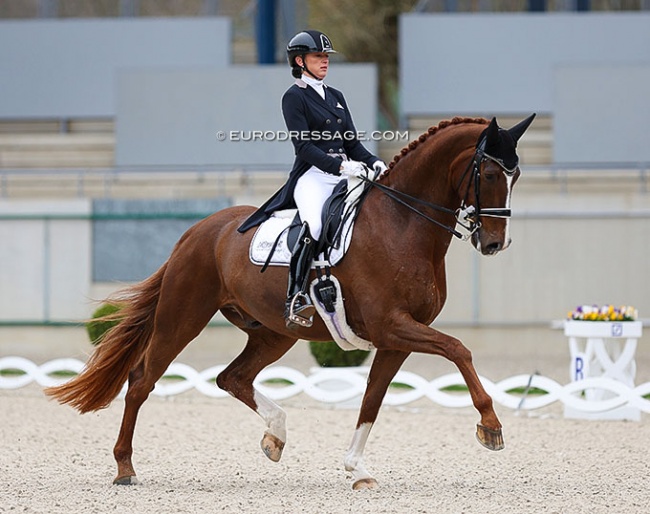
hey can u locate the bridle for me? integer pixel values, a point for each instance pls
(467, 216)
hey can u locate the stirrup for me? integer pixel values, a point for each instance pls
(303, 314)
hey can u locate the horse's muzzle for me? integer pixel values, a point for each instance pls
(492, 248)
(489, 245)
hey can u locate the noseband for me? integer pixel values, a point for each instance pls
(467, 216)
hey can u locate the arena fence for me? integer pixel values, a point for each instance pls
(342, 386)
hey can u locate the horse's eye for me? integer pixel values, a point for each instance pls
(489, 176)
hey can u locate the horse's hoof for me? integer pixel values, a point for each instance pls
(128, 480)
(365, 483)
(272, 447)
(491, 439)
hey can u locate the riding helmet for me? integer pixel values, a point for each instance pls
(308, 41)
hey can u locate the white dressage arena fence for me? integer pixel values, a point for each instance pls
(340, 385)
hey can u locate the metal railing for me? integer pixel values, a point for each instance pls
(596, 172)
(139, 181)
(246, 180)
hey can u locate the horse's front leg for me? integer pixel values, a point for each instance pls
(384, 367)
(263, 348)
(410, 336)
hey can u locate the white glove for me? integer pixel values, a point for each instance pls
(354, 169)
(380, 169)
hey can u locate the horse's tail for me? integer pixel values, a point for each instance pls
(119, 350)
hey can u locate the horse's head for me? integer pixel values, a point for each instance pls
(487, 185)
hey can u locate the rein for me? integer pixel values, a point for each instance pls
(467, 216)
(398, 197)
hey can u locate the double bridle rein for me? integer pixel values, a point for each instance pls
(467, 216)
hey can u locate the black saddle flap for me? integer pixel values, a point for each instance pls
(294, 231)
(332, 216)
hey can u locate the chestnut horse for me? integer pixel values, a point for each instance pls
(393, 278)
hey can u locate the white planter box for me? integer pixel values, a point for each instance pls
(603, 350)
(613, 329)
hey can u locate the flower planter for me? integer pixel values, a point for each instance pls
(613, 329)
(603, 349)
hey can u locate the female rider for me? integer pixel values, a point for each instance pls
(326, 147)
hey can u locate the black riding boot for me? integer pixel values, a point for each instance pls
(299, 310)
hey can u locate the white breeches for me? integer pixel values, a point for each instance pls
(311, 192)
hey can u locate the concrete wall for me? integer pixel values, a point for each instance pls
(504, 63)
(172, 117)
(568, 249)
(602, 113)
(45, 266)
(137, 236)
(552, 266)
(53, 252)
(67, 68)
(587, 71)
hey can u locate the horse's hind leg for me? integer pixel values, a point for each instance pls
(263, 348)
(123, 450)
(176, 326)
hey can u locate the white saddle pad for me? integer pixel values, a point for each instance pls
(267, 233)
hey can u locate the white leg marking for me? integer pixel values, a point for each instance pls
(354, 458)
(273, 415)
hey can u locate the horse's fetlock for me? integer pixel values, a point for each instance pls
(485, 404)
(350, 462)
(122, 455)
(222, 381)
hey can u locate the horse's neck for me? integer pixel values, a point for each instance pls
(425, 175)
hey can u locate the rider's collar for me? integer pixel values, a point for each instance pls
(310, 81)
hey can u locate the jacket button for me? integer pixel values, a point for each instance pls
(339, 120)
(331, 150)
(340, 150)
(328, 121)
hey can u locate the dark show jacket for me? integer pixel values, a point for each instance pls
(319, 128)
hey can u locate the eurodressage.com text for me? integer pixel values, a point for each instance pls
(306, 135)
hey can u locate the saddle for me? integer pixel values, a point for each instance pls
(272, 242)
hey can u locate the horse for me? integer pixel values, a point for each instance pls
(393, 278)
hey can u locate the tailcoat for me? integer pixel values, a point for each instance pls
(322, 131)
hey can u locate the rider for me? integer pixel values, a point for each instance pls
(326, 147)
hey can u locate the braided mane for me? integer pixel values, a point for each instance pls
(432, 130)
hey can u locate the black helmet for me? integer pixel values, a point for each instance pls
(306, 42)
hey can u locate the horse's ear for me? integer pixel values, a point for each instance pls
(492, 134)
(518, 130)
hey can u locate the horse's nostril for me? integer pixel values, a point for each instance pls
(493, 248)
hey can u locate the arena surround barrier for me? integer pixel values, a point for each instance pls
(341, 385)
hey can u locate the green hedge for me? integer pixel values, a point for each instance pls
(102, 321)
(328, 354)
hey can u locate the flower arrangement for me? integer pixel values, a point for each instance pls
(604, 313)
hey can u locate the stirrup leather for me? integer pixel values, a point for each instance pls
(299, 310)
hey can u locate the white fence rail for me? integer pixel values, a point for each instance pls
(337, 385)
